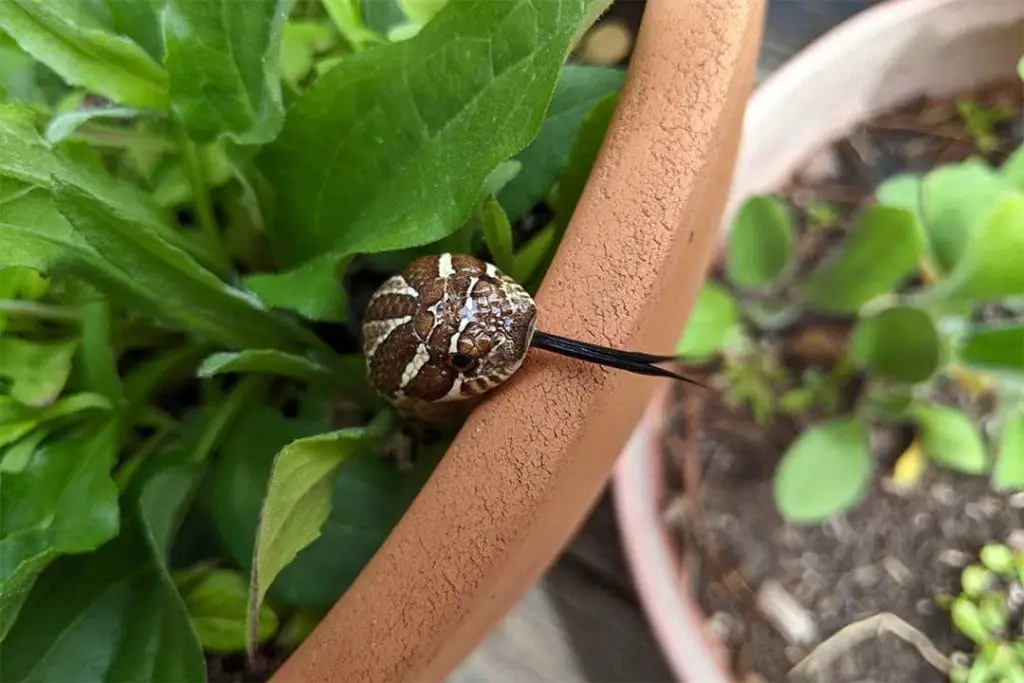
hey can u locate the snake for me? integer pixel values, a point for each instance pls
(449, 328)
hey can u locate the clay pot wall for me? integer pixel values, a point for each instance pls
(525, 469)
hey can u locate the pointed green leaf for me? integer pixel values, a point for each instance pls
(222, 59)
(63, 126)
(85, 53)
(497, 234)
(881, 253)
(579, 88)
(760, 243)
(60, 501)
(37, 371)
(110, 615)
(950, 438)
(956, 201)
(1008, 472)
(824, 472)
(899, 343)
(313, 290)
(990, 267)
(715, 315)
(298, 500)
(384, 177)
(217, 603)
(263, 361)
(1012, 170)
(996, 347)
(174, 287)
(18, 419)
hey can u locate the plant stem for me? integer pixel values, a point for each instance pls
(34, 309)
(201, 199)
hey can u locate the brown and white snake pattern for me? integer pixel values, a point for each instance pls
(449, 328)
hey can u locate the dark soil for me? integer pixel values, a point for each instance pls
(898, 549)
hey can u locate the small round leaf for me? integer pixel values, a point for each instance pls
(877, 257)
(899, 343)
(824, 472)
(998, 347)
(1008, 472)
(715, 314)
(760, 244)
(949, 438)
(990, 267)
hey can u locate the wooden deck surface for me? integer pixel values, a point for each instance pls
(582, 622)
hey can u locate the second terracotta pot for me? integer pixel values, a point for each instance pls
(885, 56)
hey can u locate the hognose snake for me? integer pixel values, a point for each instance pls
(450, 327)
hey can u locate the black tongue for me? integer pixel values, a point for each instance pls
(630, 361)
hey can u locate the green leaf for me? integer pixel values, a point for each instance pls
(222, 58)
(110, 615)
(300, 43)
(714, 316)
(387, 178)
(37, 370)
(63, 126)
(532, 254)
(137, 19)
(95, 367)
(18, 419)
(36, 233)
(990, 267)
(1012, 170)
(217, 605)
(877, 257)
(263, 361)
(579, 88)
(167, 283)
(86, 54)
(298, 499)
(346, 17)
(950, 438)
(955, 202)
(824, 472)
(582, 155)
(62, 501)
(313, 289)
(1008, 472)
(995, 347)
(760, 243)
(898, 342)
(421, 11)
(497, 234)
(369, 495)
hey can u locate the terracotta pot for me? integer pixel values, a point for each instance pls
(881, 58)
(532, 459)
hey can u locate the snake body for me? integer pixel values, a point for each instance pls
(443, 331)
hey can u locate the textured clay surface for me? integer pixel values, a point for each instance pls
(531, 460)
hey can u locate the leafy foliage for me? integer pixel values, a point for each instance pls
(928, 280)
(985, 613)
(191, 460)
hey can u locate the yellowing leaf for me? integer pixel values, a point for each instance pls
(298, 500)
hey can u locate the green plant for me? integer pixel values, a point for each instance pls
(191, 458)
(930, 282)
(989, 611)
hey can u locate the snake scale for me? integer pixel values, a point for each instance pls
(450, 327)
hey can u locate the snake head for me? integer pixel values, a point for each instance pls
(448, 327)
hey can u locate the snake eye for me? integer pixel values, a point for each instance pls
(461, 362)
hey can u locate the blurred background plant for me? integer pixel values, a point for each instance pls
(989, 611)
(912, 314)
